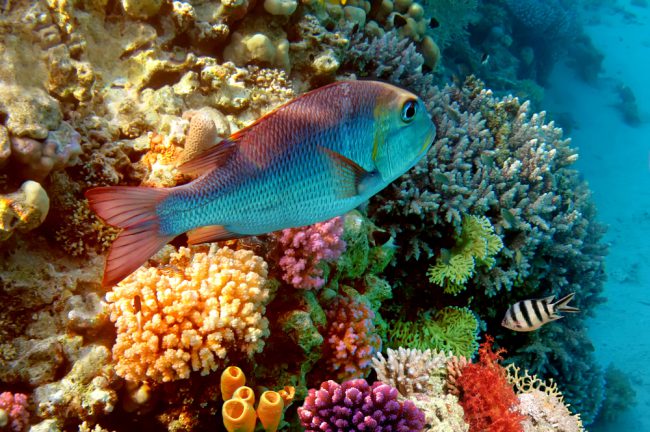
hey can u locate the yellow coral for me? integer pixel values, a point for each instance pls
(476, 245)
(189, 312)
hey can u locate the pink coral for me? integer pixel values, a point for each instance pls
(15, 407)
(351, 339)
(306, 247)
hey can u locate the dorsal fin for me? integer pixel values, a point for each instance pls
(212, 158)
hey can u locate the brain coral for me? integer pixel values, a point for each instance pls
(189, 312)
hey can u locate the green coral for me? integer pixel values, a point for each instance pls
(452, 329)
(477, 244)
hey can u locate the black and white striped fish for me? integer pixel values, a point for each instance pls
(529, 315)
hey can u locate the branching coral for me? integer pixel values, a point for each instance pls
(355, 405)
(13, 411)
(450, 329)
(485, 394)
(408, 369)
(476, 245)
(303, 250)
(351, 340)
(188, 313)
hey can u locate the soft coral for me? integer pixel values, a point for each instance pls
(487, 398)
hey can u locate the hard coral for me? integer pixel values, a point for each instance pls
(351, 340)
(188, 312)
(23, 210)
(13, 411)
(355, 405)
(305, 248)
(486, 396)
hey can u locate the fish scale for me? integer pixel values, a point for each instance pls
(314, 158)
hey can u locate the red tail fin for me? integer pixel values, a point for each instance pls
(134, 209)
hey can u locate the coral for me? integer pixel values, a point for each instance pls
(305, 248)
(485, 394)
(23, 210)
(453, 18)
(546, 413)
(199, 305)
(450, 329)
(391, 58)
(238, 416)
(31, 113)
(454, 368)
(207, 127)
(476, 245)
(13, 411)
(86, 392)
(351, 340)
(280, 7)
(542, 403)
(408, 369)
(357, 405)
(619, 394)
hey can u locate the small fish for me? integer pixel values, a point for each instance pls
(529, 315)
(433, 23)
(441, 178)
(316, 157)
(485, 58)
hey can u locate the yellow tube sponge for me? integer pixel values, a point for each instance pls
(245, 393)
(270, 410)
(238, 416)
(231, 379)
(188, 312)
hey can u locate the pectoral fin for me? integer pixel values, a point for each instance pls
(350, 177)
(211, 233)
(210, 159)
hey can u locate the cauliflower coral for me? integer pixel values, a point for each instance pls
(189, 312)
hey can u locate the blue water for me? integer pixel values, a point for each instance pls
(615, 160)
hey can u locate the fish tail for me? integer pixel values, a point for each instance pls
(134, 210)
(562, 304)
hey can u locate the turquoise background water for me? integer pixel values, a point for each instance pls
(615, 160)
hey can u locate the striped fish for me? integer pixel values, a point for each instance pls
(529, 315)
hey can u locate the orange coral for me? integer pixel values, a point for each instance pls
(488, 399)
(188, 313)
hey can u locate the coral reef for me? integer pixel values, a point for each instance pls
(357, 405)
(449, 329)
(350, 339)
(13, 411)
(23, 210)
(199, 305)
(486, 395)
(304, 248)
(476, 245)
(104, 93)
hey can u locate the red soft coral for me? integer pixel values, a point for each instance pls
(487, 398)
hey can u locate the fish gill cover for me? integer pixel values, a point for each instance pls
(103, 93)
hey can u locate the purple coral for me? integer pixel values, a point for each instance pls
(15, 415)
(355, 405)
(304, 248)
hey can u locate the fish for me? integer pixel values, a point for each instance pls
(529, 315)
(485, 58)
(316, 157)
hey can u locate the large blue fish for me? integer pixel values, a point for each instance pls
(315, 157)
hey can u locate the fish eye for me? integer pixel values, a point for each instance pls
(409, 110)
